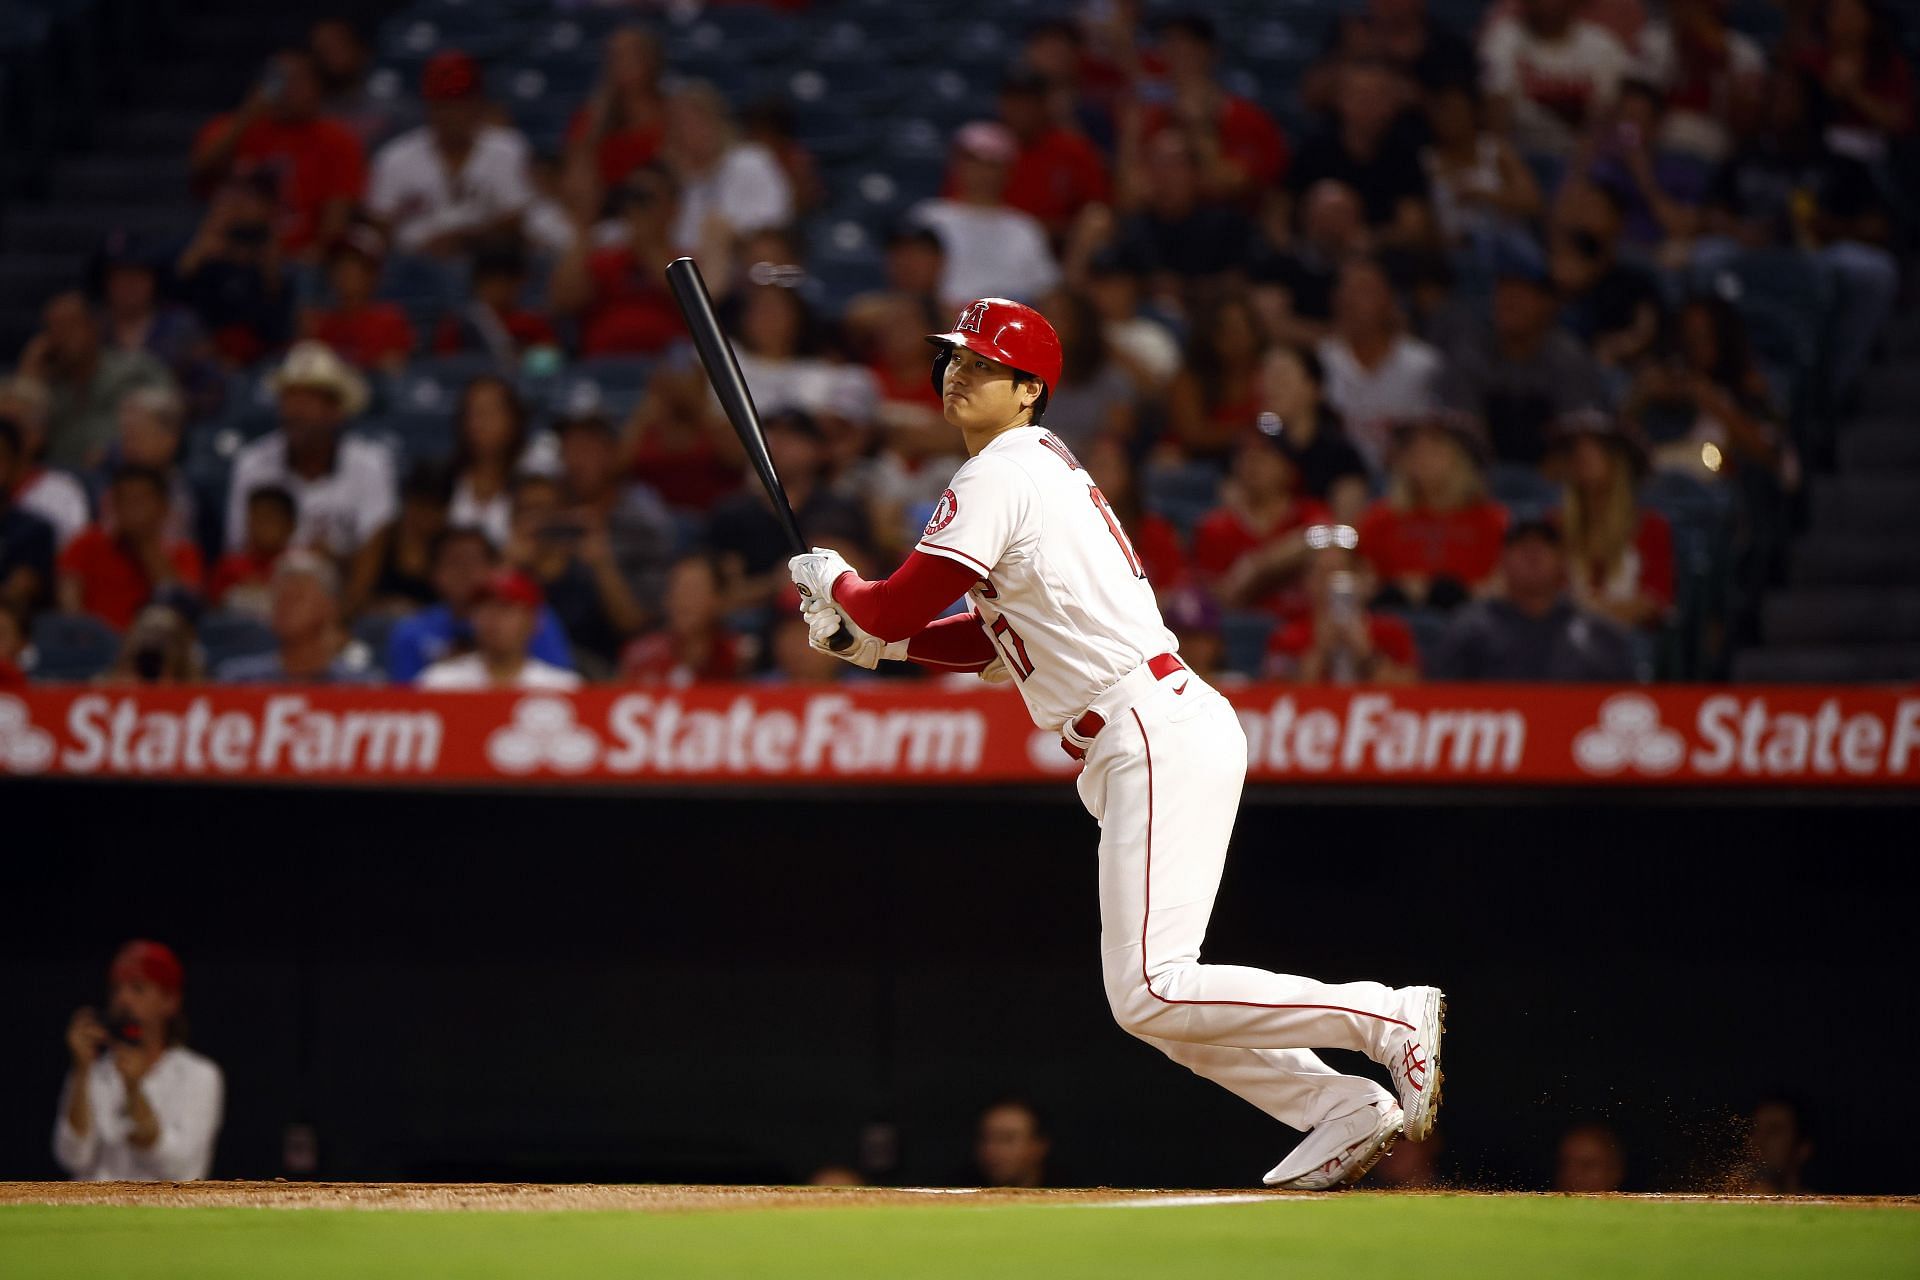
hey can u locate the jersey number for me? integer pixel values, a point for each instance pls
(1015, 654)
(1119, 534)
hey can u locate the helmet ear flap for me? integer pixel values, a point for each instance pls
(941, 357)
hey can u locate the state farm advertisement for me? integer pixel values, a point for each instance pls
(935, 735)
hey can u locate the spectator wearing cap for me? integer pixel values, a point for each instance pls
(369, 334)
(1249, 550)
(1620, 554)
(747, 537)
(55, 496)
(1215, 397)
(616, 291)
(572, 561)
(232, 275)
(1521, 370)
(624, 120)
(126, 277)
(463, 563)
(495, 320)
(507, 613)
(1056, 171)
(1434, 540)
(344, 485)
(1094, 398)
(85, 380)
(319, 167)
(1549, 74)
(693, 642)
(992, 249)
(311, 644)
(138, 1105)
(1376, 372)
(1371, 148)
(392, 573)
(114, 569)
(1531, 629)
(26, 540)
(241, 578)
(1338, 640)
(457, 179)
(1242, 152)
(1293, 407)
(728, 187)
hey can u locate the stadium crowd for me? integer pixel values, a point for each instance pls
(1504, 358)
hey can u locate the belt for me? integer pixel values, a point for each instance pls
(1089, 725)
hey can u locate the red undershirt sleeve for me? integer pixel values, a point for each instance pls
(899, 607)
(958, 643)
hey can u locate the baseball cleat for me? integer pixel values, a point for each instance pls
(1414, 1060)
(1340, 1151)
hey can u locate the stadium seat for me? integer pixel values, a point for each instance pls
(1522, 490)
(1182, 494)
(233, 635)
(1244, 636)
(72, 647)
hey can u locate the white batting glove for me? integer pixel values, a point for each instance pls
(824, 621)
(814, 572)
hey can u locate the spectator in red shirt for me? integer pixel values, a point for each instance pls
(1153, 536)
(494, 320)
(623, 122)
(1339, 640)
(693, 643)
(112, 573)
(370, 334)
(618, 292)
(1434, 540)
(1243, 152)
(321, 168)
(1251, 548)
(1619, 555)
(242, 578)
(1057, 171)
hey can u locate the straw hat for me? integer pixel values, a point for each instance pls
(315, 365)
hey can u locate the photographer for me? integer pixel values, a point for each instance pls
(138, 1105)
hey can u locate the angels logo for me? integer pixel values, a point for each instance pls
(543, 732)
(1629, 735)
(23, 748)
(971, 318)
(942, 514)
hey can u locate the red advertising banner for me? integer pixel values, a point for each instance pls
(1673, 736)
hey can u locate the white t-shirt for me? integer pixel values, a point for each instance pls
(339, 511)
(187, 1095)
(747, 188)
(60, 500)
(1062, 592)
(469, 672)
(1404, 383)
(1557, 87)
(991, 252)
(494, 517)
(412, 190)
(1698, 129)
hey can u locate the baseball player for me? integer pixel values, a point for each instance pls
(1059, 605)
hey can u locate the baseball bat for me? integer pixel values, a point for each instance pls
(723, 371)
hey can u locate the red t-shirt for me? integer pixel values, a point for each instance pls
(114, 587)
(1392, 639)
(631, 313)
(11, 676)
(318, 161)
(1161, 554)
(1248, 137)
(369, 336)
(621, 151)
(915, 389)
(1653, 546)
(651, 659)
(239, 569)
(1221, 537)
(1055, 176)
(524, 328)
(1463, 545)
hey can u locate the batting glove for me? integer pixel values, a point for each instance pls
(814, 572)
(824, 621)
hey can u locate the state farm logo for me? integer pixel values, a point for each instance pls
(942, 514)
(543, 732)
(1629, 736)
(23, 748)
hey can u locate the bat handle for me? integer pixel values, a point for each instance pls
(842, 640)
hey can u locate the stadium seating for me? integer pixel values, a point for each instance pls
(72, 646)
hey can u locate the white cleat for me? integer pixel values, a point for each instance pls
(1340, 1151)
(1413, 1060)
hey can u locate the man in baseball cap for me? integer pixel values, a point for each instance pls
(505, 616)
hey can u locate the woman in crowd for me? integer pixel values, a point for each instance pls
(490, 440)
(393, 572)
(1250, 549)
(1215, 396)
(1620, 555)
(1095, 397)
(1434, 540)
(1294, 406)
(1377, 373)
(623, 122)
(1480, 186)
(692, 642)
(1706, 406)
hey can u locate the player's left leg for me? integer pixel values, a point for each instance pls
(1292, 1085)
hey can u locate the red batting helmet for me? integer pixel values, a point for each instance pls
(1000, 329)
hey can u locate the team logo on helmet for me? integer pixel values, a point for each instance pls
(970, 319)
(942, 514)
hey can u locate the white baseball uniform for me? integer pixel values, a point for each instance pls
(1064, 597)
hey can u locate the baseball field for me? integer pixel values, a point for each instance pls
(291, 1231)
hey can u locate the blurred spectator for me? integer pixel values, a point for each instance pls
(138, 1105)
(84, 378)
(1095, 397)
(457, 179)
(490, 437)
(1410, 1166)
(618, 291)
(1705, 404)
(1621, 555)
(991, 248)
(113, 570)
(677, 442)
(1434, 540)
(693, 642)
(1624, 19)
(1172, 233)
(1779, 1145)
(574, 566)
(1401, 34)
(1056, 171)
(1012, 1144)
(1339, 640)
(507, 615)
(830, 1175)
(1215, 396)
(343, 62)
(1522, 370)
(1242, 152)
(312, 647)
(1862, 81)
(1376, 373)
(464, 563)
(1193, 616)
(318, 168)
(1482, 191)
(27, 542)
(1613, 307)
(13, 647)
(1590, 1160)
(916, 262)
(242, 578)
(152, 434)
(908, 405)
(344, 485)
(1293, 288)
(1710, 76)
(1251, 547)
(160, 648)
(1532, 630)
(629, 514)
(749, 545)
(393, 570)
(373, 335)
(1143, 346)
(494, 319)
(1293, 407)
(231, 275)
(1367, 148)
(793, 659)
(770, 123)
(55, 496)
(624, 121)
(125, 277)
(728, 187)
(780, 342)
(1549, 74)
(1153, 536)
(1660, 193)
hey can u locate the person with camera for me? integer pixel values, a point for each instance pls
(138, 1105)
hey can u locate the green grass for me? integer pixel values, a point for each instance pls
(1352, 1237)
